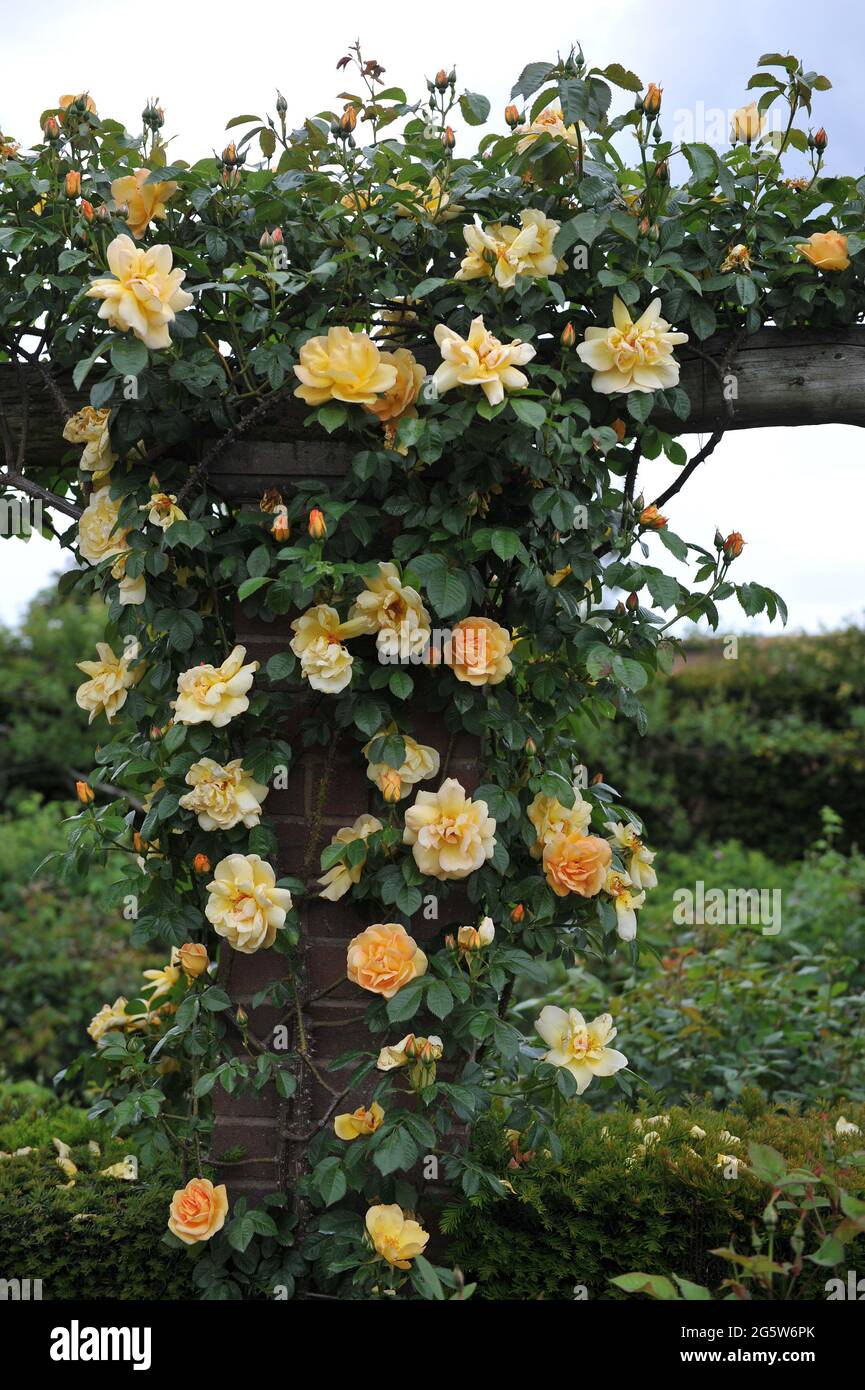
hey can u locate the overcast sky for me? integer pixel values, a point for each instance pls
(790, 492)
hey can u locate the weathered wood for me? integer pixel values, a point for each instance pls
(806, 377)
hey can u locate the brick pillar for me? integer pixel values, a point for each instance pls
(328, 788)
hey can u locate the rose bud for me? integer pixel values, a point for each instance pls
(652, 100)
(568, 336)
(391, 784)
(193, 960)
(651, 517)
(620, 428)
(518, 913)
(448, 138)
(277, 236)
(733, 545)
(317, 524)
(51, 129)
(84, 792)
(512, 116)
(280, 530)
(348, 120)
(821, 140)
(73, 183)
(201, 864)
(265, 241)
(87, 210)
(441, 80)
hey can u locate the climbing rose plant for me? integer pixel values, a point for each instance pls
(494, 335)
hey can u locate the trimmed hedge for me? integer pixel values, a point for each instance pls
(608, 1208)
(102, 1237)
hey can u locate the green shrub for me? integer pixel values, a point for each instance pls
(610, 1206)
(98, 1238)
(63, 951)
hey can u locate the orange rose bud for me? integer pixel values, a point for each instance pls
(441, 79)
(448, 138)
(569, 336)
(632, 601)
(391, 784)
(651, 517)
(87, 210)
(280, 529)
(201, 864)
(348, 120)
(512, 116)
(194, 959)
(518, 913)
(821, 140)
(137, 842)
(84, 792)
(652, 99)
(620, 428)
(51, 128)
(317, 524)
(733, 545)
(73, 183)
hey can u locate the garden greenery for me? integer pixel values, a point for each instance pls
(493, 335)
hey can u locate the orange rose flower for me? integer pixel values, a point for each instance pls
(384, 958)
(825, 250)
(193, 960)
(198, 1210)
(651, 517)
(400, 398)
(576, 864)
(480, 651)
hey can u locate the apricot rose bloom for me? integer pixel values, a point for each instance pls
(384, 958)
(214, 694)
(632, 356)
(502, 252)
(359, 1122)
(549, 817)
(481, 360)
(394, 1237)
(392, 610)
(90, 428)
(193, 960)
(479, 651)
(223, 796)
(318, 642)
(747, 123)
(548, 122)
(145, 295)
(825, 250)
(399, 400)
(343, 366)
(198, 1210)
(576, 864)
(339, 877)
(421, 762)
(110, 680)
(244, 905)
(451, 836)
(145, 201)
(579, 1046)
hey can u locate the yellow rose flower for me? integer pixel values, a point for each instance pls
(111, 679)
(392, 610)
(504, 252)
(399, 400)
(145, 201)
(384, 958)
(451, 836)
(549, 817)
(145, 295)
(223, 796)
(410, 1050)
(626, 902)
(214, 694)
(632, 356)
(193, 960)
(90, 428)
(579, 1046)
(198, 1210)
(395, 1238)
(128, 590)
(558, 576)
(244, 905)
(318, 642)
(747, 123)
(576, 864)
(109, 1017)
(825, 250)
(339, 877)
(548, 122)
(343, 366)
(433, 200)
(161, 982)
(476, 938)
(162, 510)
(481, 360)
(98, 536)
(420, 763)
(359, 1122)
(479, 651)
(638, 859)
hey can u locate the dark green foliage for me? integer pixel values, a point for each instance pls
(102, 1237)
(609, 1208)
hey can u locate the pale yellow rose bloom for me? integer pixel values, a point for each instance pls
(359, 1122)
(451, 836)
(110, 680)
(825, 250)
(162, 510)
(129, 590)
(632, 355)
(626, 902)
(384, 958)
(109, 1017)
(145, 201)
(479, 651)
(90, 428)
(549, 817)
(481, 360)
(579, 1046)
(747, 123)
(98, 536)
(145, 295)
(244, 905)
(638, 859)
(340, 877)
(318, 643)
(576, 863)
(390, 609)
(399, 400)
(162, 981)
(198, 1210)
(433, 200)
(420, 763)
(548, 122)
(504, 252)
(343, 366)
(394, 1237)
(214, 694)
(223, 796)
